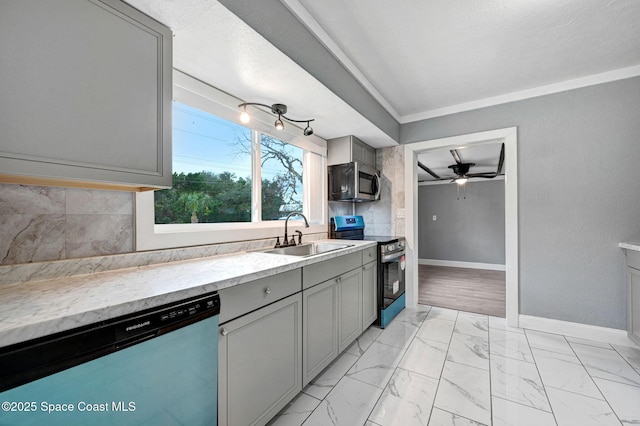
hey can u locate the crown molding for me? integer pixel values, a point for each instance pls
(576, 83)
(305, 17)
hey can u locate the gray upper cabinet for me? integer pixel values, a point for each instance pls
(349, 148)
(85, 95)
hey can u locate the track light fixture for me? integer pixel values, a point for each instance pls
(280, 110)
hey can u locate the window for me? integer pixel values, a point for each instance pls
(213, 175)
(282, 170)
(211, 170)
(230, 182)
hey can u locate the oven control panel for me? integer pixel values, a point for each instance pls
(396, 246)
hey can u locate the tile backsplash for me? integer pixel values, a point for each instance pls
(40, 223)
(379, 216)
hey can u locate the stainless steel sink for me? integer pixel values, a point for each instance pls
(309, 249)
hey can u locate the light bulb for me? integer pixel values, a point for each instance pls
(461, 180)
(245, 117)
(279, 124)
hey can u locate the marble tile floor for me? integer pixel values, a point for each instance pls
(437, 367)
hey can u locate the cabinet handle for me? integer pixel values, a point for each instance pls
(339, 279)
(267, 290)
(224, 331)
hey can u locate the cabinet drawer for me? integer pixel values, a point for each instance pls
(369, 254)
(243, 298)
(323, 271)
(633, 259)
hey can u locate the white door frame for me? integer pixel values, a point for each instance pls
(509, 136)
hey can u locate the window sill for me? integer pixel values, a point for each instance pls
(153, 237)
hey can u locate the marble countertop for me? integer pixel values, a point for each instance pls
(632, 244)
(39, 308)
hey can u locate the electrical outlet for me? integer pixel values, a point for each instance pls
(435, 217)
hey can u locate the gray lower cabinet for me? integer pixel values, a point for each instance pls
(320, 328)
(369, 295)
(85, 95)
(278, 333)
(334, 310)
(350, 308)
(259, 363)
(633, 295)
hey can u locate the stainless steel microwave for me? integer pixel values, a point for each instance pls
(353, 182)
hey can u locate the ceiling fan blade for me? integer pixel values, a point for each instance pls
(456, 156)
(483, 175)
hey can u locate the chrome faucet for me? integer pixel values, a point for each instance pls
(286, 236)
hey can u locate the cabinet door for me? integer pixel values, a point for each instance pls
(86, 93)
(633, 308)
(370, 156)
(357, 151)
(350, 308)
(260, 363)
(320, 328)
(369, 294)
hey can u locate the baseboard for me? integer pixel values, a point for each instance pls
(456, 264)
(574, 329)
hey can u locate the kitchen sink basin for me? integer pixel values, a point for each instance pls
(308, 249)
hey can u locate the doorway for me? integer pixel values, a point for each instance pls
(508, 136)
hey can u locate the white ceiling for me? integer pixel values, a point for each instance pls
(425, 58)
(419, 58)
(214, 45)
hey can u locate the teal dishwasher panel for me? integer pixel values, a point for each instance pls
(167, 380)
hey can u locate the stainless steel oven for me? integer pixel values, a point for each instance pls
(391, 279)
(353, 182)
(391, 264)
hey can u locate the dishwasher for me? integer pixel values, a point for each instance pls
(154, 367)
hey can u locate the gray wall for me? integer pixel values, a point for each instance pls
(272, 20)
(469, 226)
(578, 194)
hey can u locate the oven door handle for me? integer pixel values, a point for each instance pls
(392, 257)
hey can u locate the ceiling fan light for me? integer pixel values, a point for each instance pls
(461, 180)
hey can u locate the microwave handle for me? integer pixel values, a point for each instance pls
(378, 186)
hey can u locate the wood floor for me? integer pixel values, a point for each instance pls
(470, 290)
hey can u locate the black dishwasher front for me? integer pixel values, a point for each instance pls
(154, 367)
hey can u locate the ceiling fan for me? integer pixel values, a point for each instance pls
(462, 173)
(461, 169)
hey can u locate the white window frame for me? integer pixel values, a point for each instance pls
(150, 236)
